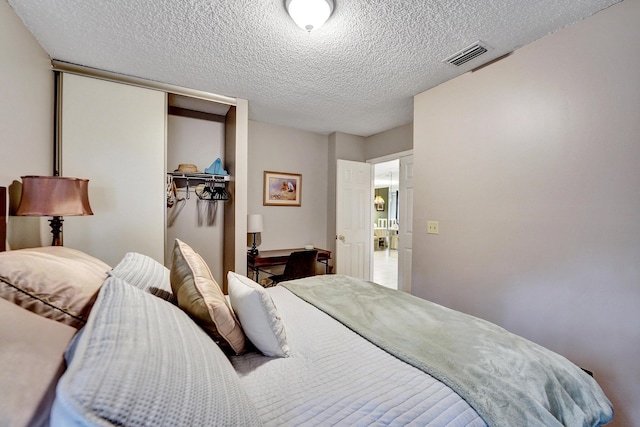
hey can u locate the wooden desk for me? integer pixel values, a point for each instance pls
(266, 259)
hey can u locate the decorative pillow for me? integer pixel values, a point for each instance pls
(258, 315)
(145, 273)
(200, 296)
(31, 349)
(55, 282)
(142, 362)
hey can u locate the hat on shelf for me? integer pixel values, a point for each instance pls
(187, 168)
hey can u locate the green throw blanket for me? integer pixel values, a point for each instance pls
(507, 379)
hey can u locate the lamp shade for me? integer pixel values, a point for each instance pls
(310, 14)
(54, 196)
(254, 223)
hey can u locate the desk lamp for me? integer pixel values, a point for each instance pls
(254, 226)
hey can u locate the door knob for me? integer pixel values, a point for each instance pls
(341, 237)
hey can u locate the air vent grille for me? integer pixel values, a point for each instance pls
(467, 54)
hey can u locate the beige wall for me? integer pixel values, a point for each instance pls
(282, 149)
(531, 167)
(26, 119)
(349, 147)
(390, 142)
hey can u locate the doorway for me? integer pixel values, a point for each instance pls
(385, 222)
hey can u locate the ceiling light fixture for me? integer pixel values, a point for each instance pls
(309, 14)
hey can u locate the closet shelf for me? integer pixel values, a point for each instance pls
(206, 186)
(199, 176)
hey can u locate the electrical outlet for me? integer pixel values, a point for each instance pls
(433, 227)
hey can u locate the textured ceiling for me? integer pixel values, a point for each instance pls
(356, 74)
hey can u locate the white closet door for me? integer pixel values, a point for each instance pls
(114, 135)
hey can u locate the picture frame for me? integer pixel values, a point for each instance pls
(282, 189)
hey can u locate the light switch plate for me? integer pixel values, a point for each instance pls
(433, 227)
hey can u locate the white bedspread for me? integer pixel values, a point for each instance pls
(335, 377)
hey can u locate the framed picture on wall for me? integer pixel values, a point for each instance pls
(282, 189)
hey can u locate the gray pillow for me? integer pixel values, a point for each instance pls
(145, 273)
(142, 362)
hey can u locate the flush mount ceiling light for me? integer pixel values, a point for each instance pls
(309, 14)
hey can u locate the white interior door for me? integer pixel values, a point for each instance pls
(114, 135)
(405, 226)
(354, 238)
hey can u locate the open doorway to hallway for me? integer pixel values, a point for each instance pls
(385, 223)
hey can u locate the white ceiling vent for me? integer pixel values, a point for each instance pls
(467, 54)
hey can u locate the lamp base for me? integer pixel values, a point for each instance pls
(254, 249)
(56, 228)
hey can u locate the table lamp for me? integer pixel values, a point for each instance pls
(54, 196)
(254, 226)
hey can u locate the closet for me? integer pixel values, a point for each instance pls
(195, 200)
(127, 136)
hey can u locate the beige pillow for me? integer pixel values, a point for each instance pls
(31, 356)
(200, 296)
(55, 282)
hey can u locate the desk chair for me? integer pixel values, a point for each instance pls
(300, 264)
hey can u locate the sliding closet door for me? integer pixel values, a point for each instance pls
(114, 135)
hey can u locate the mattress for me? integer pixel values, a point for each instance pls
(335, 377)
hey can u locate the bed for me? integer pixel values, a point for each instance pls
(85, 343)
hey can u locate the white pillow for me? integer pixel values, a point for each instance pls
(258, 315)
